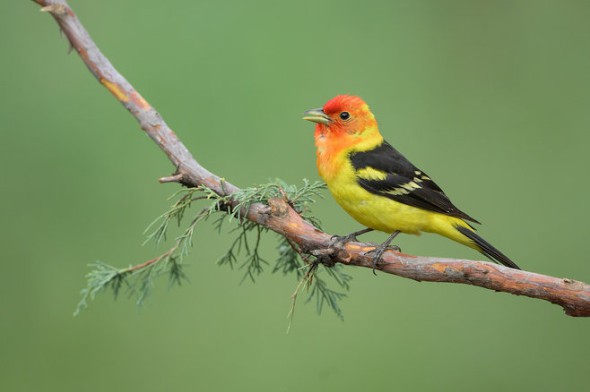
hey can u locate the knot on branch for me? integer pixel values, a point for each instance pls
(278, 207)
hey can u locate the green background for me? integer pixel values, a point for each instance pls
(490, 98)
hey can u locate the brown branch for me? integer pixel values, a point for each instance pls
(278, 216)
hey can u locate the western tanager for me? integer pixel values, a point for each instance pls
(378, 186)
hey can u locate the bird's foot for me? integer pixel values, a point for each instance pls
(341, 240)
(379, 250)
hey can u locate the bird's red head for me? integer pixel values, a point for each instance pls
(343, 117)
(345, 124)
(341, 103)
(343, 114)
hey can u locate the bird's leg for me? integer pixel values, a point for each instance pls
(378, 251)
(350, 237)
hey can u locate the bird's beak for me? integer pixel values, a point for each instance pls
(317, 116)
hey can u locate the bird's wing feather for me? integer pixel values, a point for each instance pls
(395, 177)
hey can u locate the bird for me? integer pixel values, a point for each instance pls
(379, 187)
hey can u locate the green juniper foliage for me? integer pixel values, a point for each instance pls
(243, 252)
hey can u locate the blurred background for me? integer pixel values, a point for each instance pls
(489, 98)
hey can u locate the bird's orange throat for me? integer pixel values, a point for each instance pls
(334, 143)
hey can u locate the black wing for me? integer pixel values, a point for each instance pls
(404, 182)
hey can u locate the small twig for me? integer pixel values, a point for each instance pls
(305, 280)
(148, 263)
(56, 9)
(173, 178)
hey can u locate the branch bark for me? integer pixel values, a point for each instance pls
(278, 216)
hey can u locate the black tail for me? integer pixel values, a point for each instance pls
(487, 249)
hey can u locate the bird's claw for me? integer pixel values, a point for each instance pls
(378, 254)
(341, 240)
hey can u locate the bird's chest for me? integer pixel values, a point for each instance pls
(345, 189)
(371, 210)
(340, 176)
(353, 198)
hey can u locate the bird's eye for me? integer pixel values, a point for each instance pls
(345, 116)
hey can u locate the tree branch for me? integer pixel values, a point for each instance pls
(278, 216)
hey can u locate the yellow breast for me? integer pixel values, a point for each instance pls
(377, 212)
